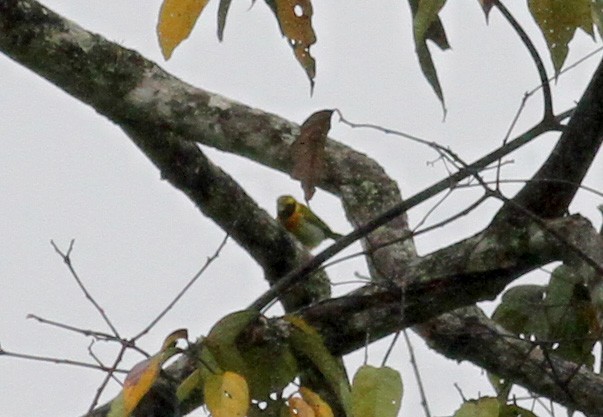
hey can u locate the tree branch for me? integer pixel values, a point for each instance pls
(554, 185)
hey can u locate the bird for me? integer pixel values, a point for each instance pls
(299, 220)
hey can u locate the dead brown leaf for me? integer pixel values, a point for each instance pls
(308, 151)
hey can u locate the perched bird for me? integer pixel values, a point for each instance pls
(298, 219)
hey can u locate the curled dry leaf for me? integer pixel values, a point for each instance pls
(308, 151)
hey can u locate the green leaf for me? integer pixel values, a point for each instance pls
(521, 311)
(307, 341)
(222, 340)
(558, 21)
(376, 392)
(571, 315)
(484, 407)
(428, 26)
(270, 368)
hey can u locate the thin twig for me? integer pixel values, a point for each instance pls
(97, 359)
(390, 348)
(544, 79)
(108, 377)
(183, 291)
(302, 272)
(85, 332)
(67, 259)
(57, 361)
(467, 210)
(415, 368)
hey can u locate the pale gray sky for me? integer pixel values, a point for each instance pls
(69, 173)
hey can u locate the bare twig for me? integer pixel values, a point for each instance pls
(415, 368)
(58, 361)
(97, 359)
(546, 88)
(390, 348)
(67, 259)
(183, 291)
(85, 332)
(109, 375)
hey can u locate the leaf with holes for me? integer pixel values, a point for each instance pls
(226, 395)
(176, 21)
(308, 151)
(558, 21)
(295, 21)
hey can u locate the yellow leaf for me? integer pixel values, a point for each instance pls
(319, 406)
(299, 408)
(176, 21)
(558, 21)
(226, 395)
(139, 380)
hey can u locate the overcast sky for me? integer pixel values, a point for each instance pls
(67, 172)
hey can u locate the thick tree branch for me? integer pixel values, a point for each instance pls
(165, 116)
(467, 334)
(131, 91)
(556, 182)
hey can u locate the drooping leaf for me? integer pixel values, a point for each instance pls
(139, 380)
(143, 375)
(270, 368)
(226, 395)
(305, 340)
(428, 26)
(376, 392)
(320, 407)
(486, 7)
(222, 12)
(560, 315)
(176, 21)
(558, 21)
(571, 315)
(484, 407)
(521, 311)
(295, 21)
(300, 408)
(191, 389)
(221, 340)
(308, 151)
